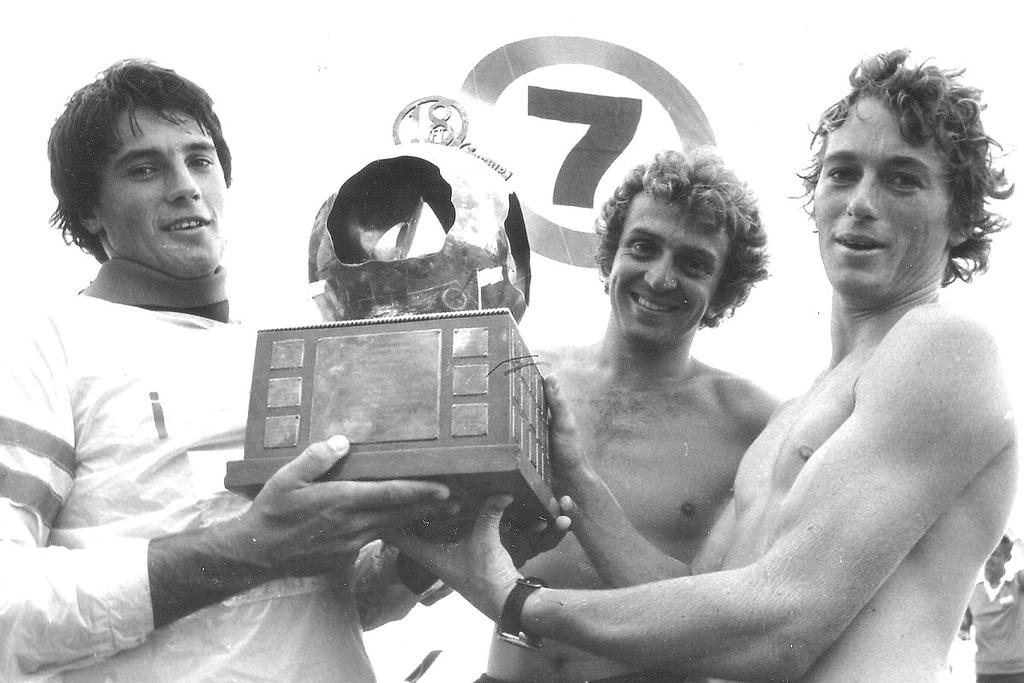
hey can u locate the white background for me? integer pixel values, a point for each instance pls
(304, 88)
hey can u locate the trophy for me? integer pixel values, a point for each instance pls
(419, 265)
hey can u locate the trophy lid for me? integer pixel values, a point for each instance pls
(421, 228)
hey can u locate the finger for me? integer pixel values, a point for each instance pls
(555, 398)
(567, 506)
(553, 534)
(362, 527)
(494, 506)
(563, 422)
(393, 493)
(314, 461)
(538, 527)
(422, 519)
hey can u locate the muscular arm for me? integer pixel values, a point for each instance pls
(295, 527)
(930, 415)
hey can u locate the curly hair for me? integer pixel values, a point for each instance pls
(931, 104)
(84, 136)
(699, 185)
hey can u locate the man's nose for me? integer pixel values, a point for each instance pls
(862, 203)
(661, 276)
(182, 184)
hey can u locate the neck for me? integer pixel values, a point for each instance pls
(126, 282)
(629, 362)
(855, 327)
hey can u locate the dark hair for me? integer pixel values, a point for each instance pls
(931, 104)
(84, 136)
(698, 184)
(1005, 542)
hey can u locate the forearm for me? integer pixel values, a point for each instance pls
(195, 569)
(620, 553)
(707, 626)
(59, 605)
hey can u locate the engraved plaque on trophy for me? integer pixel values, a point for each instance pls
(454, 397)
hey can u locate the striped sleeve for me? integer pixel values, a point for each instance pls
(59, 607)
(37, 458)
(36, 472)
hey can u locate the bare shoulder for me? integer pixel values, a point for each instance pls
(933, 337)
(935, 319)
(742, 399)
(568, 362)
(939, 365)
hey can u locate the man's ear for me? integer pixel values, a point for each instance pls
(92, 224)
(957, 233)
(956, 238)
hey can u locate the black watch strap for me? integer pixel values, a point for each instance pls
(510, 626)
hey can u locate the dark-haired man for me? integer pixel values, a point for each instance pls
(681, 245)
(123, 556)
(864, 510)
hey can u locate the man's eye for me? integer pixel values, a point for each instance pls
(142, 172)
(905, 181)
(641, 248)
(697, 265)
(202, 162)
(842, 176)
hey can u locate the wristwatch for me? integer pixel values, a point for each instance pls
(510, 627)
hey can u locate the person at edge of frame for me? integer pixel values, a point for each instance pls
(994, 611)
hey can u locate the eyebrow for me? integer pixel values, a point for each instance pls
(897, 160)
(700, 251)
(647, 234)
(131, 156)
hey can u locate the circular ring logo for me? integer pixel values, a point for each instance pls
(612, 122)
(436, 119)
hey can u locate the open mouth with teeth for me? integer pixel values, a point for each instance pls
(649, 305)
(859, 242)
(191, 223)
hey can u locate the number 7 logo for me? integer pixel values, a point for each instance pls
(613, 123)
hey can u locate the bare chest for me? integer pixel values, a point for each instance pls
(669, 457)
(777, 458)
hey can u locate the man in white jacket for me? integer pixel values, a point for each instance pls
(123, 556)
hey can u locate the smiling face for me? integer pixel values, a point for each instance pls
(881, 206)
(664, 273)
(161, 197)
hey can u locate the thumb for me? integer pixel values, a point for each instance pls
(315, 460)
(489, 520)
(494, 507)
